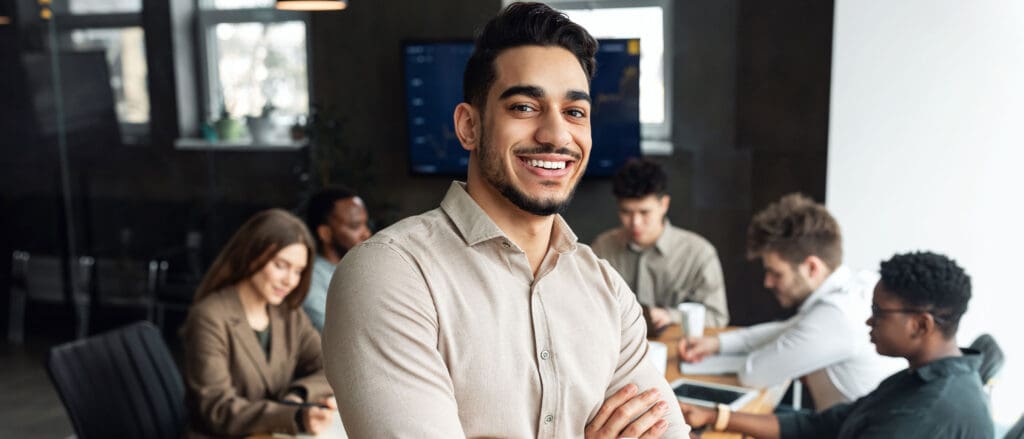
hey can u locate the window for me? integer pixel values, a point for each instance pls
(126, 55)
(114, 26)
(647, 20)
(260, 64)
(253, 57)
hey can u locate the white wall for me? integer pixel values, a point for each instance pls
(926, 151)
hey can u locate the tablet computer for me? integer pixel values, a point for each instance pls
(707, 394)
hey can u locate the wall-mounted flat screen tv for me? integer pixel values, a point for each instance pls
(433, 87)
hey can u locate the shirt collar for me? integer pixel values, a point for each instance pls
(970, 362)
(661, 245)
(321, 263)
(475, 226)
(839, 277)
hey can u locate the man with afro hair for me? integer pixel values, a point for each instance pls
(915, 312)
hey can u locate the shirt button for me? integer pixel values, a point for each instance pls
(548, 419)
(544, 355)
(506, 244)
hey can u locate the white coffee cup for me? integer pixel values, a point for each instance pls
(658, 353)
(693, 318)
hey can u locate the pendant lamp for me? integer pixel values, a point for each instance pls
(311, 5)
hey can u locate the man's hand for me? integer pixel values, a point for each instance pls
(614, 418)
(694, 349)
(697, 416)
(660, 317)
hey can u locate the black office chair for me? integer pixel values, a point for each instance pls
(121, 383)
(1017, 431)
(992, 360)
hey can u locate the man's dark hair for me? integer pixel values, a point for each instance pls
(639, 178)
(796, 227)
(523, 24)
(320, 207)
(931, 282)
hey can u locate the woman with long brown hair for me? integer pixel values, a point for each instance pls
(252, 358)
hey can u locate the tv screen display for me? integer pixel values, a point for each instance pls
(433, 86)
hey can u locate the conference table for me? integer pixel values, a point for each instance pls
(765, 402)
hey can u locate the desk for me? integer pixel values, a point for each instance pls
(764, 403)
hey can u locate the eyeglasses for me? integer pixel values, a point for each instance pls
(877, 312)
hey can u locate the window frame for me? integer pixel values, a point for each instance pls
(655, 138)
(67, 22)
(206, 22)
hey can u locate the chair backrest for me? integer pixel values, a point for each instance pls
(1017, 431)
(993, 358)
(121, 383)
(44, 278)
(118, 278)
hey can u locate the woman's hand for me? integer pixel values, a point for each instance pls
(317, 419)
(330, 402)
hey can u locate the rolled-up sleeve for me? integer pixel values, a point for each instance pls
(380, 349)
(822, 337)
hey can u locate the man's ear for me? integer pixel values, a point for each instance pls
(815, 266)
(665, 201)
(323, 232)
(924, 324)
(467, 126)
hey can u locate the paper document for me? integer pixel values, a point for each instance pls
(714, 365)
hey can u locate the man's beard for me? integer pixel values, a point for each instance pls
(338, 249)
(490, 168)
(797, 292)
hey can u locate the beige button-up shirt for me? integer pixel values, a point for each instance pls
(437, 328)
(680, 267)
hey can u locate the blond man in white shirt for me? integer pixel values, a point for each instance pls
(825, 344)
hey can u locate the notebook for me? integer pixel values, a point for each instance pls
(714, 365)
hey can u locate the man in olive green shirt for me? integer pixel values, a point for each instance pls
(915, 312)
(663, 264)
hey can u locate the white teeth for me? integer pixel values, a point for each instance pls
(546, 164)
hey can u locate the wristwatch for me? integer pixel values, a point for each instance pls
(722, 420)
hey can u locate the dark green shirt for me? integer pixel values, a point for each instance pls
(264, 339)
(942, 399)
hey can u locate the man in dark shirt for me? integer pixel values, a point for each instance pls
(915, 313)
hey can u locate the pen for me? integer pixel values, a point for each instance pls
(305, 404)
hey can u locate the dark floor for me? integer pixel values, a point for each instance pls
(29, 406)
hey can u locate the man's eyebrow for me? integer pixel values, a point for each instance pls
(526, 90)
(577, 95)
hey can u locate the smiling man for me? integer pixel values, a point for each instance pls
(337, 217)
(485, 317)
(663, 264)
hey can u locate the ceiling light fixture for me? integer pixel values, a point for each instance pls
(311, 5)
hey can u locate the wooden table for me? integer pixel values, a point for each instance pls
(764, 403)
(335, 431)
